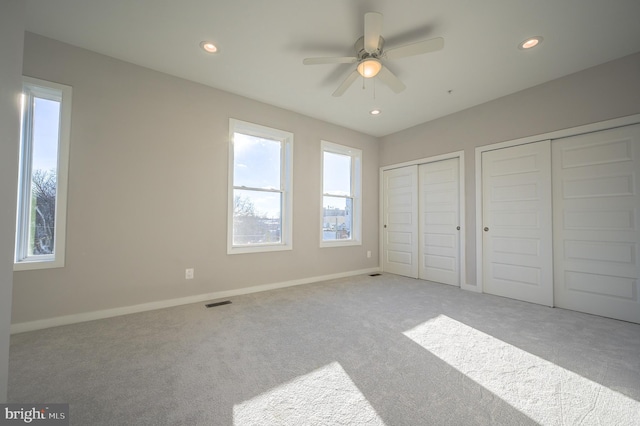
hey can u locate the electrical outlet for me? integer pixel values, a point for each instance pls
(188, 274)
(368, 253)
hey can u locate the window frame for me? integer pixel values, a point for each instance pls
(62, 93)
(356, 193)
(286, 186)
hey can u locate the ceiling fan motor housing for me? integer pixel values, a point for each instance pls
(363, 54)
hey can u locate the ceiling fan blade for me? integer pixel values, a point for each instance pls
(389, 78)
(336, 60)
(372, 31)
(346, 83)
(417, 48)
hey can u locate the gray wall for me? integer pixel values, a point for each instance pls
(600, 93)
(147, 192)
(11, 41)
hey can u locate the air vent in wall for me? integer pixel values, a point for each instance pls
(213, 305)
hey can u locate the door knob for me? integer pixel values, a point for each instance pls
(486, 229)
(458, 228)
(385, 226)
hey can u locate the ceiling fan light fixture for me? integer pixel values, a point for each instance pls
(369, 67)
(529, 43)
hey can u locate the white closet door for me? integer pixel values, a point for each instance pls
(400, 221)
(517, 234)
(596, 222)
(439, 240)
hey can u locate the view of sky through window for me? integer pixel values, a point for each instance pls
(45, 134)
(256, 164)
(336, 174)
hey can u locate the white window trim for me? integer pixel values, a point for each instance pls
(286, 182)
(356, 191)
(57, 260)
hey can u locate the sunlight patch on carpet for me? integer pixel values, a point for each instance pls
(326, 396)
(543, 391)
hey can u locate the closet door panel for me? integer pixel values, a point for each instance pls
(596, 222)
(517, 227)
(439, 239)
(400, 221)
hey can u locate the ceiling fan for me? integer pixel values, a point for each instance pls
(370, 53)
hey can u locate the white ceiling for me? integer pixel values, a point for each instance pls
(263, 42)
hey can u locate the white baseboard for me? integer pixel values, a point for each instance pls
(108, 313)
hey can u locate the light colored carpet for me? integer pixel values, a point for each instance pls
(364, 350)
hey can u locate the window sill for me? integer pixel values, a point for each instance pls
(30, 265)
(258, 249)
(339, 243)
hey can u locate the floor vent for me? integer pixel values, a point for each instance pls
(375, 275)
(213, 305)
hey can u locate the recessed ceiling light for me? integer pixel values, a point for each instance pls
(375, 112)
(208, 47)
(530, 42)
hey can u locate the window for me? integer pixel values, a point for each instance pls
(260, 195)
(341, 202)
(42, 181)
